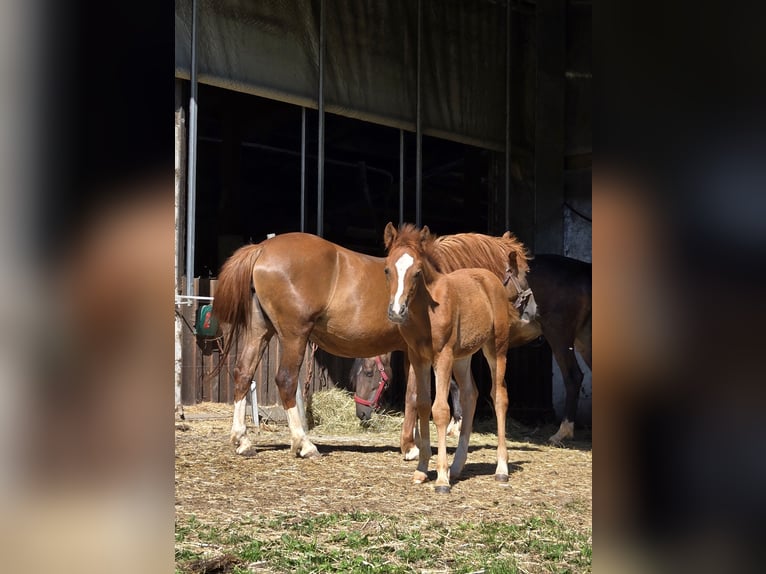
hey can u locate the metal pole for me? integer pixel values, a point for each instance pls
(507, 116)
(418, 128)
(191, 200)
(303, 168)
(320, 153)
(254, 405)
(401, 177)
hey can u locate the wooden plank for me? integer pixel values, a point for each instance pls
(188, 358)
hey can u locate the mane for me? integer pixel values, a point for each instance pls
(461, 250)
(464, 250)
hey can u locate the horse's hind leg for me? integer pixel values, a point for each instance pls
(408, 442)
(293, 350)
(584, 342)
(467, 401)
(422, 372)
(248, 361)
(572, 375)
(456, 422)
(500, 399)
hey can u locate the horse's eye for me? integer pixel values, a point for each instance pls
(386, 271)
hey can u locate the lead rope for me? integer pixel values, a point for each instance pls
(309, 370)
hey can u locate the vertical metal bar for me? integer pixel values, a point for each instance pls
(507, 116)
(254, 405)
(401, 176)
(303, 168)
(192, 160)
(320, 152)
(418, 128)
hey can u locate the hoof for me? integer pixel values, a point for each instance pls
(566, 430)
(412, 454)
(312, 453)
(453, 428)
(442, 489)
(502, 479)
(419, 477)
(243, 446)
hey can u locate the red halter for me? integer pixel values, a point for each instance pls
(383, 380)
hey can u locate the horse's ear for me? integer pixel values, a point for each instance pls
(513, 262)
(425, 233)
(389, 234)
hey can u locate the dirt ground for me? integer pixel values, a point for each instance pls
(367, 473)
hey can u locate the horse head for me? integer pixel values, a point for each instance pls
(406, 264)
(369, 378)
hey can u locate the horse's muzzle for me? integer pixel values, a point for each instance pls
(399, 317)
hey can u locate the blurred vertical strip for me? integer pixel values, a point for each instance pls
(86, 247)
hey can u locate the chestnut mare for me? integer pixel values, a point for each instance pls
(445, 318)
(303, 288)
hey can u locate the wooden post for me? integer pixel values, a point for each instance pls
(180, 186)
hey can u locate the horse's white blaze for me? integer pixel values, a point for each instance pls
(402, 264)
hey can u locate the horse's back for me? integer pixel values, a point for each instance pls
(306, 266)
(472, 304)
(562, 287)
(306, 283)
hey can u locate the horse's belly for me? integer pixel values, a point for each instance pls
(357, 344)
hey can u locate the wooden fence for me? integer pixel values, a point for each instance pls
(320, 370)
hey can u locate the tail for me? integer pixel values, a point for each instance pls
(234, 293)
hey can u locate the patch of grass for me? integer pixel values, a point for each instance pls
(372, 542)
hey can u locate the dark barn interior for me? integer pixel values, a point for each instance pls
(503, 87)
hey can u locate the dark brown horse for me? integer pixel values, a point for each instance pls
(562, 293)
(445, 318)
(303, 288)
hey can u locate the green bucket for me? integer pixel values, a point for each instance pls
(207, 324)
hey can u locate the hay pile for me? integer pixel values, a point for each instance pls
(333, 411)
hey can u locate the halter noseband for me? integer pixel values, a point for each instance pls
(522, 295)
(382, 385)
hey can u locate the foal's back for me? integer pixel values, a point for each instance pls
(471, 307)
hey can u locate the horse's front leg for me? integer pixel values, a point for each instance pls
(407, 442)
(293, 351)
(422, 372)
(441, 414)
(243, 373)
